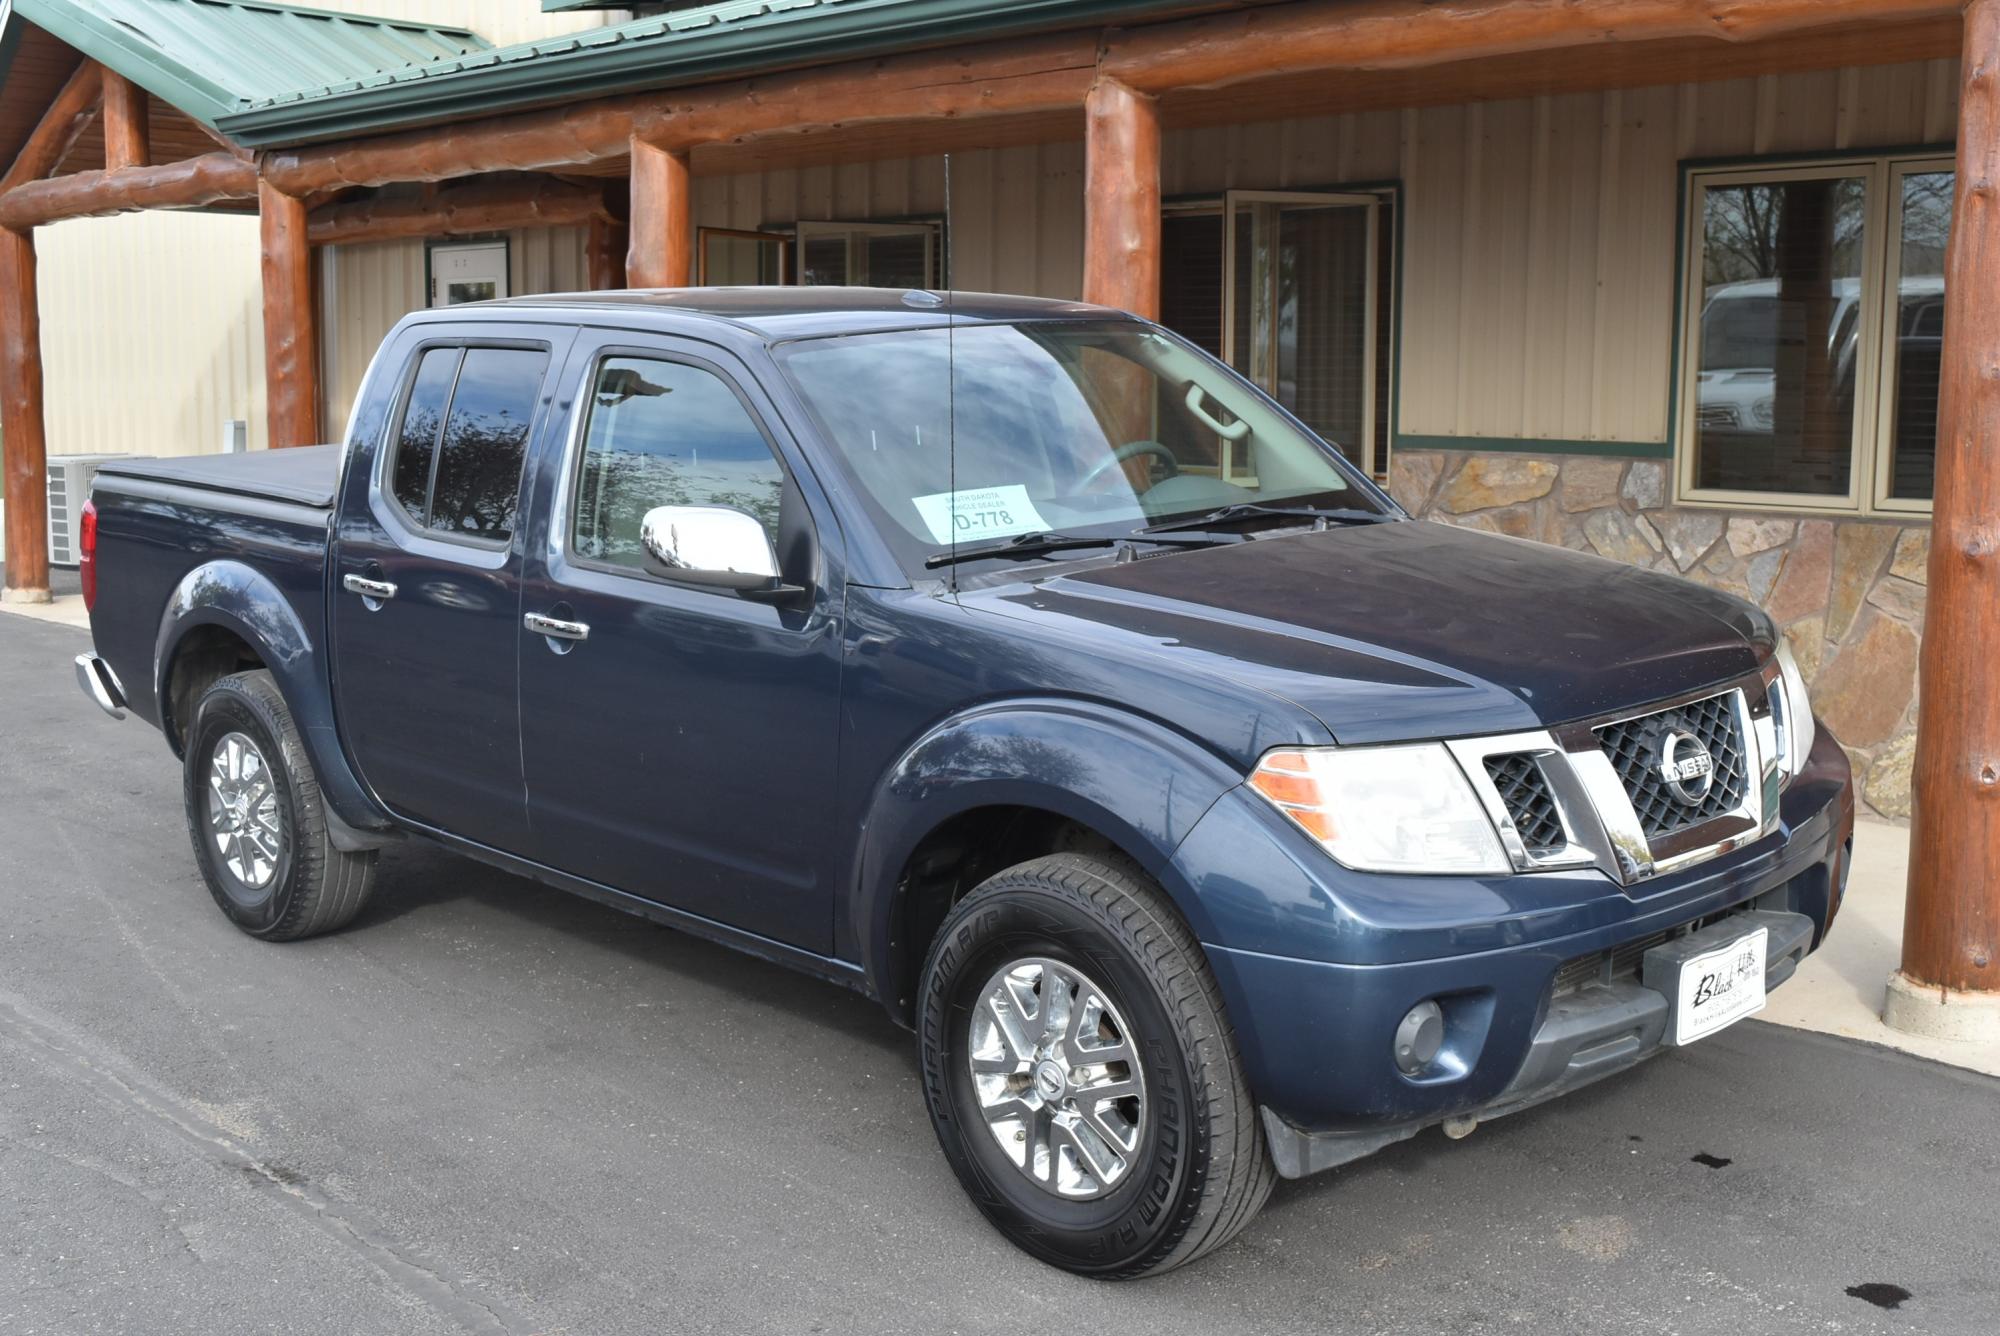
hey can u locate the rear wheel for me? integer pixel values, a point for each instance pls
(257, 820)
(1081, 1075)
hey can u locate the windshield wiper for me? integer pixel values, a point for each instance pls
(1254, 510)
(1037, 544)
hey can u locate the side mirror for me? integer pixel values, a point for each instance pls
(713, 546)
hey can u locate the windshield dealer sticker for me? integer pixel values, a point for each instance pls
(985, 512)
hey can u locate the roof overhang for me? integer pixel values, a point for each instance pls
(679, 48)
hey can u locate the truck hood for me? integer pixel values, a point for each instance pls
(1399, 631)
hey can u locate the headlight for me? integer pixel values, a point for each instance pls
(1791, 714)
(1384, 809)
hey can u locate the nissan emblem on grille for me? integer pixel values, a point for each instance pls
(1686, 766)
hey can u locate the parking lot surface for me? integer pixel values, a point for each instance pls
(489, 1107)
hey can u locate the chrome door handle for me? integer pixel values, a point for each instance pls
(362, 585)
(550, 626)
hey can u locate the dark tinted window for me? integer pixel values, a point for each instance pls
(667, 434)
(416, 444)
(478, 476)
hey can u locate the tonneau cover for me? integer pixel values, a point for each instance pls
(306, 476)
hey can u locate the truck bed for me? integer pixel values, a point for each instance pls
(305, 477)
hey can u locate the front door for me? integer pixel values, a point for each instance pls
(427, 578)
(679, 741)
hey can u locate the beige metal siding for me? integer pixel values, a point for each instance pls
(152, 333)
(501, 22)
(1540, 234)
(1017, 213)
(369, 287)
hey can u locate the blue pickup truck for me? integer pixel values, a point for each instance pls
(1014, 663)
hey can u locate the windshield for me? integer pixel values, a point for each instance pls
(1068, 427)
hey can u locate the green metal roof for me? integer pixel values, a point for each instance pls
(215, 58)
(678, 47)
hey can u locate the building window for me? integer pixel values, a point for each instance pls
(873, 255)
(1811, 325)
(1295, 290)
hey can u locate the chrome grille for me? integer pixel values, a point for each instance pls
(1633, 747)
(1530, 803)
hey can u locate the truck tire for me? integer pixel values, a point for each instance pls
(1081, 1075)
(257, 820)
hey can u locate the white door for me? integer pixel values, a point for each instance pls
(476, 272)
(1299, 278)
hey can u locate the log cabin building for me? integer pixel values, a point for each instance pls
(1667, 280)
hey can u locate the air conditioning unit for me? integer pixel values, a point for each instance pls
(69, 488)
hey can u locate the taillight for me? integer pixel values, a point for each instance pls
(86, 561)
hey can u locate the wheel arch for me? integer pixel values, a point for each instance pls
(225, 617)
(1006, 782)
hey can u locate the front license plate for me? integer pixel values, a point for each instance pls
(1721, 987)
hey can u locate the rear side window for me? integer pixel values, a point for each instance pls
(463, 439)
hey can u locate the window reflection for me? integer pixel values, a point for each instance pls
(416, 443)
(667, 434)
(478, 476)
(1780, 335)
(1925, 201)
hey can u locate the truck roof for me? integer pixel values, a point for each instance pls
(787, 312)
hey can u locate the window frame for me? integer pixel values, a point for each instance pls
(571, 503)
(1870, 456)
(385, 464)
(933, 230)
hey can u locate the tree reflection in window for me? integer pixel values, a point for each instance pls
(464, 437)
(667, 434)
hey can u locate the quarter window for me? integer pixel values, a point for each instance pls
(1812, 322)
(464, 437)
(667, 434)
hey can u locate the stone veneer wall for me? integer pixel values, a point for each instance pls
(1849, 594)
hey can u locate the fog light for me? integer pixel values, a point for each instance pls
(1419, 1038)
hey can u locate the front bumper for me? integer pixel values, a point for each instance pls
(1315, 1022)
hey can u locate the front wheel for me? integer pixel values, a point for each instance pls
(257, 819)
(1081, 1074)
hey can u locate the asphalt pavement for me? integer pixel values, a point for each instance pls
(489, 1107)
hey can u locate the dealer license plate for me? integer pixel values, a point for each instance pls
(1721, 987)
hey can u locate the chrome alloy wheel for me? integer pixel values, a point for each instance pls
(243, 816)
(1056, 1072)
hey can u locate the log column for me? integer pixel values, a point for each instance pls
(662, 223)
(21, 423)
(609, 241)
(127, 137)
(1121, 183)
(1949, 985)
(291, 343)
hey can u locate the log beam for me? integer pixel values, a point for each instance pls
(193, 183)
(21, 428)
(460, 211)
(291, 343)
(1121, 199)
(1951, 925)
(1036, 75)
(609, 241)
(662, 224)
(1331, 35)
(127, 137)
(67, 117)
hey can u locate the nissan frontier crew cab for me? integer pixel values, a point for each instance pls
(1017, 664)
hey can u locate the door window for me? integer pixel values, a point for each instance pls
(475, 272)
(464, 437)
(666, 434)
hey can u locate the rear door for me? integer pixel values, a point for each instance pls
(427, 561)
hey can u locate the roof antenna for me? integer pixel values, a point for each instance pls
(950, 386)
